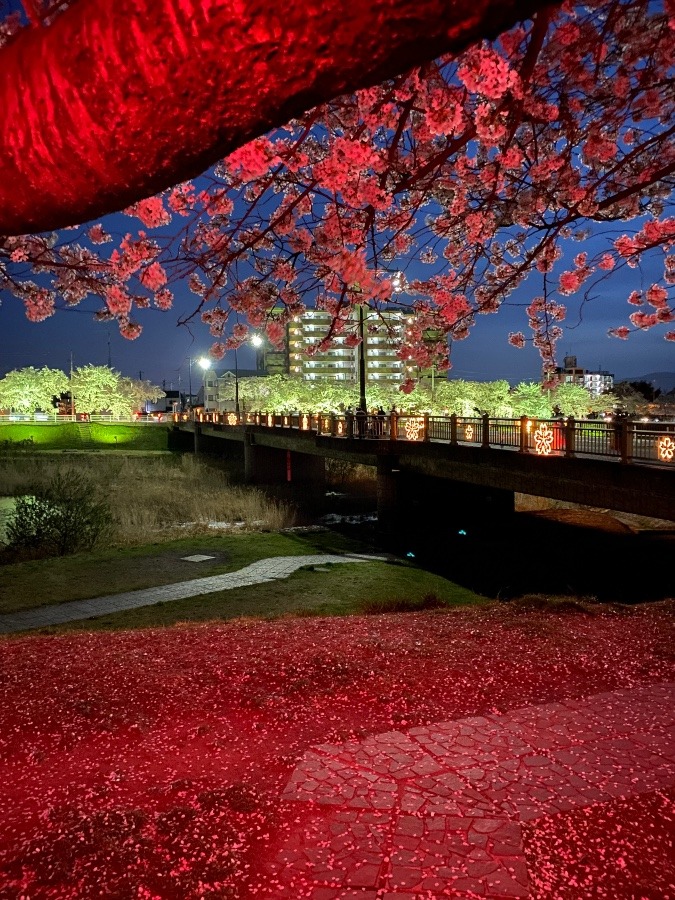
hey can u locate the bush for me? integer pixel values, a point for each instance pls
(59, 518)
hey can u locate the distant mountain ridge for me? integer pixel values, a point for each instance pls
(663, 380)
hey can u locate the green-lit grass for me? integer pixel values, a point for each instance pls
(27, 585)
(68, 435)
(346, 588)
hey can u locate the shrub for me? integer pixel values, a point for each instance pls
(59, 518)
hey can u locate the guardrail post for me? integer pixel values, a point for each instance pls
(393, 426)
(522, 448)
(426, 435)
(570, 436)
(486, 431)
(350, 425)
(453, 429)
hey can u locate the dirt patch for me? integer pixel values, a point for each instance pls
(586, 518)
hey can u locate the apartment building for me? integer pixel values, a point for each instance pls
(597, 382)
(382, 333)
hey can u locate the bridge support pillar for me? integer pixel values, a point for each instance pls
(388, 497)
(271, 465)
(305, 468)
(263, 465)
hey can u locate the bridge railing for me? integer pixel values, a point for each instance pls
(55, 418)
(651, 443)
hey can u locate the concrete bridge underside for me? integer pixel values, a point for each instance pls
(417, 472)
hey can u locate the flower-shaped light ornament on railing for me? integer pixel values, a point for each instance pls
(340, 427)
(468, 432)
(543, 440)
(666, 449)
(231, 418)
(414, 428)
(305, 422)
(270, 420)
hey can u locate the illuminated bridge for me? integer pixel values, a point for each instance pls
(478, 462)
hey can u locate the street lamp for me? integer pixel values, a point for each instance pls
(257, 342)
(205, 365)
(236, 384)
(399, 284)
(362, 360)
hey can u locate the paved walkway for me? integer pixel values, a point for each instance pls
(438, 810)
(258, 572)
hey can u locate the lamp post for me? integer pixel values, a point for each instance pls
(362, 360)
(257, 342)
(236, 384)
(205, 364)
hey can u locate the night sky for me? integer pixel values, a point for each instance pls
(162, 351)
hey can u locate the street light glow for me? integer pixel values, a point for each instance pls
(398, 282)
(256, 340)
(204, 362)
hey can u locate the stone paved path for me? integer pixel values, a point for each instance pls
(258, 572)
(437, 811)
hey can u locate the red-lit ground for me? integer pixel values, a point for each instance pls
(490, 752)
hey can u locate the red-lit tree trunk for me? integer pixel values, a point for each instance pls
(118, 99)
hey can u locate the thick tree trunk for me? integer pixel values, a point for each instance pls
(118, 99)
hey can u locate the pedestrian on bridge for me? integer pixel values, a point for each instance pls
(361, 422)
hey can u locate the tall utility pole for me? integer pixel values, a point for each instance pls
(72, 395)
(362, 362)
(236, 383)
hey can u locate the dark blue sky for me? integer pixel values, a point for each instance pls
(163, 350)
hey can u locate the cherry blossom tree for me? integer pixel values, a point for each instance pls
(475, 174)
(30, 389)
(100, 389)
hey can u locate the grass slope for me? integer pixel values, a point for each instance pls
(67, 435)
(314, 590)
(27, 585)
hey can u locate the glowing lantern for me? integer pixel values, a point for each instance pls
(413, 429)
(270, 420)
(666, 449)
(543, 439)
(340, 427)
(305, 422)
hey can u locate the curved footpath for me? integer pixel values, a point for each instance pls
(258, 572)
(448, 809)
